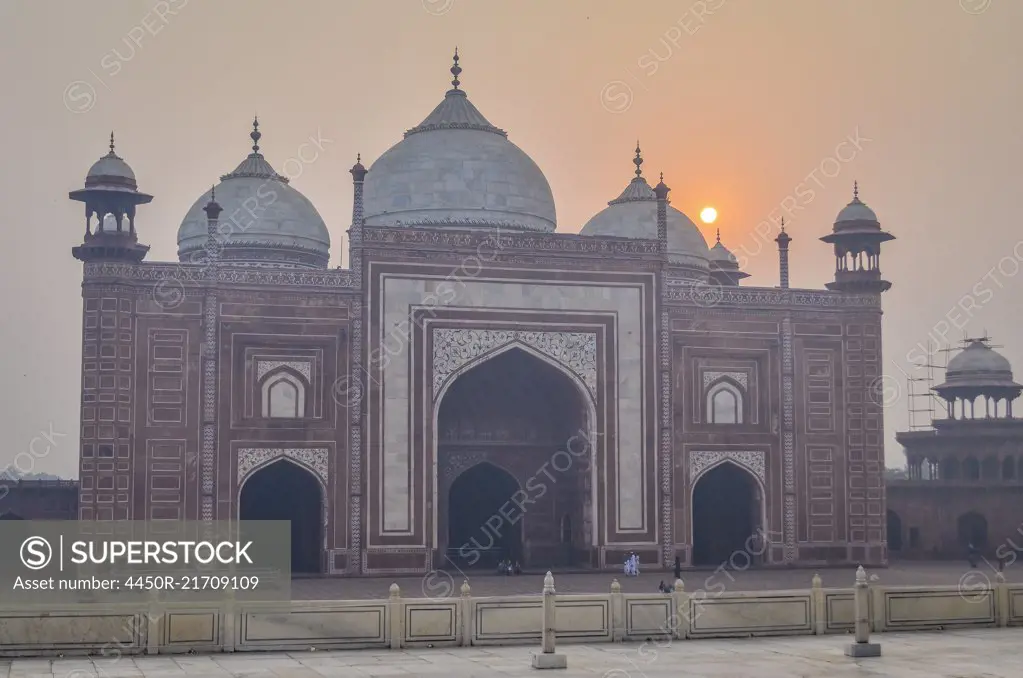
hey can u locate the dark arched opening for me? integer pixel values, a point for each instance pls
(726, 514)
(484, 523)
(1009, 468)
(285, 491)
(971, 469)
(530, 419)
(990, 469)
(949, 468)
(894, 531)
(973, 530)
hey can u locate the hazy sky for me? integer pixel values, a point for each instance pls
(736, 101)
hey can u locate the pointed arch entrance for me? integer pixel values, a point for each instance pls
(521, 424)
(485, 492)
(285, 490)
(727, 515)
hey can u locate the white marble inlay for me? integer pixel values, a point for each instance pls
(394, 491)
(251, 459)
(303, 367)
(454, 348)
(752, 460)
(738, 377)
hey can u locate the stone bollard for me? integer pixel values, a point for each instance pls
(617, 612)
(1001, 593)
(394, 612)
(680, 608)
(466, 605)
(861, 605)
(548, 659)
(820, 612)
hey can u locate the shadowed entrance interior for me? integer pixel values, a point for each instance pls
(725, 515)
(484, 525)
(512, 450)
(285, 491)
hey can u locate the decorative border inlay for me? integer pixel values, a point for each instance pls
(209, 394)
(303, 367)
(455, 463)
(788, 425)
(454, 348)
(755, 461)
(740, 378)
(315, 459)
(178, 275)
(695, 292)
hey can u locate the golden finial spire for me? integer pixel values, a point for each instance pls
(856, 190)
(112, 144)
(638, 161)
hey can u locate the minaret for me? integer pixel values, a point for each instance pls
(857, 237)
(110, 189)
(213, 210)
(661, 191)
(783, 241)
(358, 173)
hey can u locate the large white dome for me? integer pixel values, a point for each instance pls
(265, 222)
(633, 214)
(456, 169)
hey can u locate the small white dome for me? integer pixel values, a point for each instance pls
(856, 210)
(633, 214)
(456, 169)
(978, 359)
(111, 172)
(265, 222)
(720, 253)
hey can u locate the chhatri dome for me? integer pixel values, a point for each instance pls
(978, 366)
(455, 169)
(633, 214)
(111, 173)
(265, 222)
(855, 211)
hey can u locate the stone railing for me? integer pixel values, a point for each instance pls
(464, 619)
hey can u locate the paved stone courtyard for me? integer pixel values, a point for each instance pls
(443, 583)
(992, 653)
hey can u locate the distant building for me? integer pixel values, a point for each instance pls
(476, 385)
(965, 481)
(31, 499)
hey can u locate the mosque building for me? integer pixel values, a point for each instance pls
(476, 385)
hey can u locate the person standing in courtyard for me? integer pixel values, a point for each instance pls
(678, 568)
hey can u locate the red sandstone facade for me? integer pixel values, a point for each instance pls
(663, 409)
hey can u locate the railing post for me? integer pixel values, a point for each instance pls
(465, 605)
(394, 612)
(861, 604)
(1001, 593)
(230, 621)
(617, 613)
(820, 613)
(680, 605)
(153, 616)
(547, 658)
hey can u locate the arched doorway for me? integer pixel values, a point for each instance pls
(972, 529)
(484, 524)
(528, 420)
(285, 491)
(726, 513)
(894, 531)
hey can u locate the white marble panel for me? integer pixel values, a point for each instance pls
(395, 491)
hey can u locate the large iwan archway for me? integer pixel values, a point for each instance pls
(726, 516)
(514, 463)
(283, 490)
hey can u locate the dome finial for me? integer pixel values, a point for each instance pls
(856, 190)
(255, 135)
(456, 71)
(112, 144)
(783, 224)
(638, 161)
(719, 236)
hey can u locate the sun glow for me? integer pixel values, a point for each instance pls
(708, 215)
